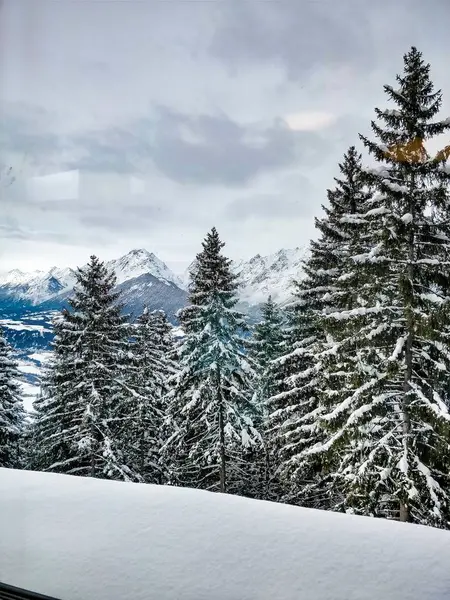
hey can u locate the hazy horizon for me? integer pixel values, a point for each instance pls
(179, 268)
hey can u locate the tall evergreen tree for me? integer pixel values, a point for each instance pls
(387, 430)
(151, 367)
(81, 417)
(303, 370)
(210, 410)
(265, 346)
(12, 414)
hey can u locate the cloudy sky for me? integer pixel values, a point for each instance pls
(147, 122)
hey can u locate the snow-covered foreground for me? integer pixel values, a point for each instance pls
(86, 539)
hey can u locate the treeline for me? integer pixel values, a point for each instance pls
(339, 401)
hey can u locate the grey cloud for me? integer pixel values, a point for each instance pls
(272, 206)
(300, 35)
(10, 228)
(26, 130)
(94, 67)
(115, 151)
(218, 152)
(305, 36)
(118, 214)
(199, 149)
(203, 149)
(31, 145)
(126, 217)
(16, 232)
(100, 64)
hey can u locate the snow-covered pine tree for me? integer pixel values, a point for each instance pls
(388, 429)
(162, 330)
(81, 416)
(289, 426)
(51, 430)
(266, 344)
(297, 408)
(210, 409)
(12, 414)
(151, 368)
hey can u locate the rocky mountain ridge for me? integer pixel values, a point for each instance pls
(137, 273)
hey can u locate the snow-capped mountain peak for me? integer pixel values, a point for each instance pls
(39, 286)
(258, 277)
(140, 262)
(65, 276)
(273, 275)
(16, 277)
(261, 276)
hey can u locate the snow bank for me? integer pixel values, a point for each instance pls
(85, 539)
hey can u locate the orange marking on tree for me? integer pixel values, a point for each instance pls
(414, 152)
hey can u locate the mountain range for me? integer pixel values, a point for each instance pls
(28, 301)
(144, 279)
(139, 271)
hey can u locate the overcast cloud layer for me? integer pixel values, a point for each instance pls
(156, 120)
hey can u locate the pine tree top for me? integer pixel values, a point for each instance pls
(411, 124)
(212, 277)
(346, 198)
(94, 289)
(339, 233)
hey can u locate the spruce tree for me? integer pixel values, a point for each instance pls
(303, 370)
(387, 430)
(81, 418)
(12, 414)
(210, 410)
(151, 368)
(265, 346)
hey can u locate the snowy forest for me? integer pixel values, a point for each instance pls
(338, 401)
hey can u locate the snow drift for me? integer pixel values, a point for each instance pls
(85, 539)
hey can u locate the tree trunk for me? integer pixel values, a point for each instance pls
(266, 472)
(142, 444)
(222, 466)
(404, 512)
(93, 442)
(406, 421)
(92, 462)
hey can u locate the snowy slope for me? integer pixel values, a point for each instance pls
(263, 275)
(41, 286)
(28, 331)
(141, 262)
(38, 286)
(16, 277)
(273, 274)
(85, 539)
